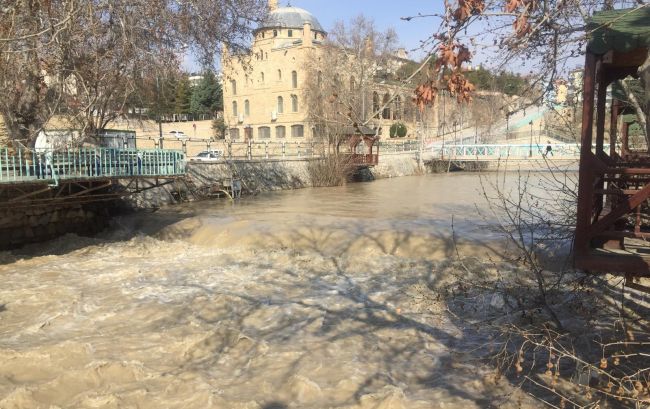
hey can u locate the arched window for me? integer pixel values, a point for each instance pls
(234, 133)
(279, 75)
(266, 55)
(233, 86)
(234, 108)
(320, 79)
(247, 108)
(275, 33)
(353, 84)
(280, 105)
(375, 104)
(280, 131)
(294, 103)
(262, 77)
(294, 79)
(386, 113)
(290, 33)
(398, 107)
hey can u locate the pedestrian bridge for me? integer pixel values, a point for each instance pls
(494, 152)
(34, 178)
(21, 167)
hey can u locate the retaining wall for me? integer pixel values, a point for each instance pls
(19, 226)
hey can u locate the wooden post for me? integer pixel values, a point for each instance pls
(601, 110)
(613, 127)
(585, 187)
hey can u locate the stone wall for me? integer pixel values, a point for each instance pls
(19, 226)
(256, 175)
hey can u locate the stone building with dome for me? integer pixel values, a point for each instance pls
(265, 91)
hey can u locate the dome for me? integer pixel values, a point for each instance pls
(290, 17)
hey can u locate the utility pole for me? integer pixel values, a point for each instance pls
(160, 133)
(530, 152)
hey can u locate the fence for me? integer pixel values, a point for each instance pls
(87, 163)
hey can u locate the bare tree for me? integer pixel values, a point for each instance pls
(83, 58)
(359, 81)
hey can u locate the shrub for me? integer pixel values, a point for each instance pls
(398, 129)
(332, 170)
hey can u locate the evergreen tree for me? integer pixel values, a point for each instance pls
(183, 96)
(207, 96)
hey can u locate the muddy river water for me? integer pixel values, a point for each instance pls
(315, 298)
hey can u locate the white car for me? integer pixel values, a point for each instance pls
(208, 156)
(177, 134)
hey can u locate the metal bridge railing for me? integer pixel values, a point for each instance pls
(524, 151)
(18, 166)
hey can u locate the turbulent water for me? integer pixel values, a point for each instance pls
(314, 298)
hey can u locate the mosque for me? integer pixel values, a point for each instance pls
(264, 91)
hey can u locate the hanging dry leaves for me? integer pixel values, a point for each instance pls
(460, 87)
(468, 8)
(521, 25)
(425, 94)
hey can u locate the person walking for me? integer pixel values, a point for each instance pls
(549, 149)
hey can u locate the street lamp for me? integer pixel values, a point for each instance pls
(530, 152)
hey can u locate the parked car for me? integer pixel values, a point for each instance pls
(207, 156)
(178, 134)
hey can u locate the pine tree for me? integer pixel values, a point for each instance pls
(207, 96)
(183, 96)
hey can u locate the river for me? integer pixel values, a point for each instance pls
(315, 298)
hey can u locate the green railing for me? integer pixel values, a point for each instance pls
(87, 163)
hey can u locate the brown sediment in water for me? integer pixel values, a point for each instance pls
(309, 299)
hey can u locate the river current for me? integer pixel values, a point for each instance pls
(315, 298)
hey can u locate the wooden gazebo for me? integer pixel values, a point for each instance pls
(354, 136)
(613, 218)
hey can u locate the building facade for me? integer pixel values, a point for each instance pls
(265, 91)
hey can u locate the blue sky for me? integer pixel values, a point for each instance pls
(385, 13)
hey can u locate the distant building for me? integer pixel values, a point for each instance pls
(265, 90)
